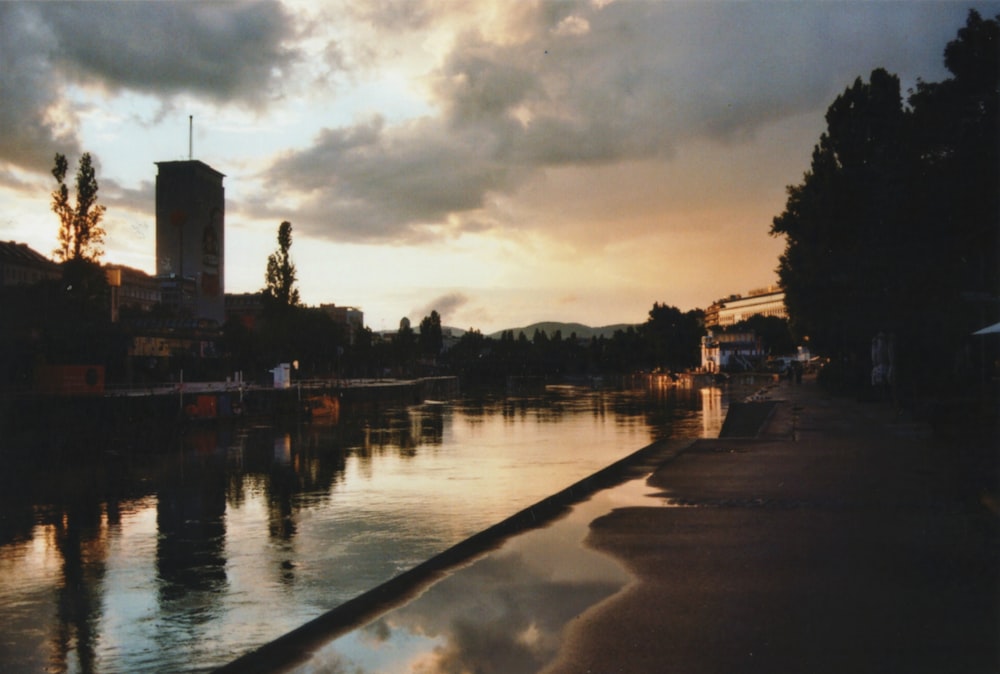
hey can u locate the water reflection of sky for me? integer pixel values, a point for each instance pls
(182, 555)
(504, 612)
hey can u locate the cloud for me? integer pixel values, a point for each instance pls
(116, 196)
(30, 129)
(394, 15)
(219, 52)
(223, 52)
(366, 183)
(582, 85)
(505, 613)
(513, 93)
(446, 306)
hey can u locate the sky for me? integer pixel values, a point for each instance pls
(499, 162)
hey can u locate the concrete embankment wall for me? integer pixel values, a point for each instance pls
(746, 419)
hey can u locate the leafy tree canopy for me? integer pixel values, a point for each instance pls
(431, 339)
(672, 337)
(894, 226)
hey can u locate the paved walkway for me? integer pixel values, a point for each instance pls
(838, 540)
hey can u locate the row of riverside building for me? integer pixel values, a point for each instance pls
(727, 312)
(190, 257)
(190, 275)
(188, 284)
(723, 350)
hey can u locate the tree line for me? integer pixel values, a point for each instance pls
(894, 228)
(290, 332)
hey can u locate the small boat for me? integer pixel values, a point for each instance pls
(321, 407)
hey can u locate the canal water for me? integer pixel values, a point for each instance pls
(180, 554)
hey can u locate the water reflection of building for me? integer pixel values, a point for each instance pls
(711, 411)
(191, 526)
(190, 235)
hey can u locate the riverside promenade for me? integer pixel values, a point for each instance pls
(841, 538)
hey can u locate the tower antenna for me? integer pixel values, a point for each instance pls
(190, 137)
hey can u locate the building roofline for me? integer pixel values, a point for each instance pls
(14, 251)
(190, 161)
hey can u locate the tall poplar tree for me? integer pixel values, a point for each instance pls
(281, 275)
(81, 235)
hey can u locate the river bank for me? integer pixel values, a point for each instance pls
(840, 539)
(822, 535)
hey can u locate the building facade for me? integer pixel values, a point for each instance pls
(245, 308)
(350, 317)
(21, 265)
(738, 308)
(132, 288)
(730, 351)
(190, 236)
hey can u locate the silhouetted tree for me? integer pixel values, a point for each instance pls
(957, 200)
(316, 341)
(281, 274)
(80, 232)
(672, 338)
(472, 358)
(243, 348)
(844, 224)
(404, 346)
(84, 294)
(431, 339)
(624, 352)
(894, 227)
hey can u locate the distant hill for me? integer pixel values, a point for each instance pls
(548, 327)
(567, 329)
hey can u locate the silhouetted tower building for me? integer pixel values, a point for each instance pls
(190, 236)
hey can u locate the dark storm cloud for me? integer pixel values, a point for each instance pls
(579, 85)
(28, 135)
(366, 183)
(220, 52)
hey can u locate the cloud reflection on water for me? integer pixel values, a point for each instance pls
(505, 612)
